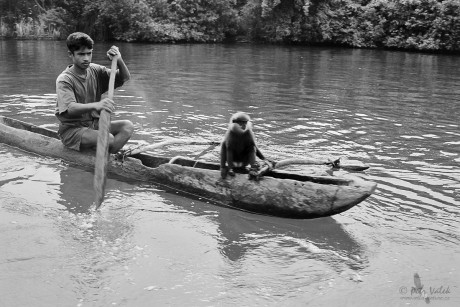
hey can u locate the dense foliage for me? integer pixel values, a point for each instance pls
(432, 25)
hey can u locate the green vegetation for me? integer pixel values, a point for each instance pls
(429, 25)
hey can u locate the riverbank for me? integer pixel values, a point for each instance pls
(246, 41)
(425, 26)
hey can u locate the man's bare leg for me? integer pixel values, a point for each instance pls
(122, 130)
(120, 133)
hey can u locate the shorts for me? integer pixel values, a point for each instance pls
(71, 135)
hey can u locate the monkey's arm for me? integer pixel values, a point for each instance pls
(259, 154)
(223, 155)
(230, 163)
(226, 155)
(268, 162)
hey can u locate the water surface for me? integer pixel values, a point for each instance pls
(396, 111)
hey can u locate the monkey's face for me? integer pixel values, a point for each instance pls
(242, 124)
(240, 127)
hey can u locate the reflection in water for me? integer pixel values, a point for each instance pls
(101, 243)
(74, 244)
(320, 238)
(73, 182)
(240, 233)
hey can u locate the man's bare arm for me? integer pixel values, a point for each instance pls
(75, 109)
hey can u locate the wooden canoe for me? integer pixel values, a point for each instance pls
(279, 193)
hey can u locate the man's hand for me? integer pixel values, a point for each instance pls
(113, 51)
(105, 104)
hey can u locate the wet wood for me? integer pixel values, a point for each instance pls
(273, 196)
(349, 165)
(102, 152)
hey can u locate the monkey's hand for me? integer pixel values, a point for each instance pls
(335, 163)
(231, 172)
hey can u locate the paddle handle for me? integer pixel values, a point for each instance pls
(170, 142)
(102, 150)
(350, 165)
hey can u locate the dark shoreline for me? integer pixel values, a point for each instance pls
(328, 45)
(30, 37)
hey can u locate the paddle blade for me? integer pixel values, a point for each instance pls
(102, 157)
(353, 165)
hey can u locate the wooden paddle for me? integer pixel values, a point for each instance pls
(211, 147)
(131, 152)
(102, 151)
(349, 165)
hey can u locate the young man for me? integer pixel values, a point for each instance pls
(79, 89)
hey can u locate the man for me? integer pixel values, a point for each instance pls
(79, 89)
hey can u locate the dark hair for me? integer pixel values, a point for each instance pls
(77, 40)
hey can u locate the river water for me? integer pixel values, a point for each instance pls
(398, 112)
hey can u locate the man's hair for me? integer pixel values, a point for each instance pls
(77, 40)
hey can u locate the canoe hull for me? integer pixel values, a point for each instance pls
(272, 196)
(286, 198)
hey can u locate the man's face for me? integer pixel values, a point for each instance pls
(82, 57)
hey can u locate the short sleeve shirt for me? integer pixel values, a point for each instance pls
(71, 88)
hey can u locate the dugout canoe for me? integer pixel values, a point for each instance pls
(278, 193)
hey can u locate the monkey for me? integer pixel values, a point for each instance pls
(238, 148)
